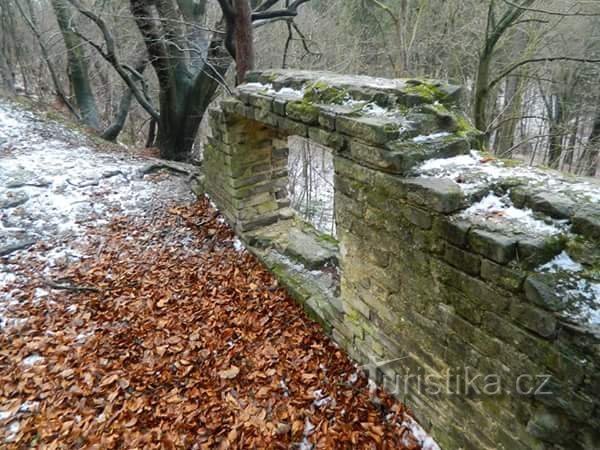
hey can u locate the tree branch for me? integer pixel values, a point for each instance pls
(110, 55)
(31, 23)
(551, 13)
(291, 11)
(515, 66)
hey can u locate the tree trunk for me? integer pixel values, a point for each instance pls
(555, 131)
(7, 43)
(244, 39)
(510, 112)
(6, 75)
(481, 93)
(591, 165)
(113, 131)
(571, 144)
(77, 65)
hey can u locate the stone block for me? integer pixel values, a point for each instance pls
(465, 261)
(540, 289)
(508, 278)
(587, 223)
(534, 319)
(260, 101)
(292, 127)
(371, 156)
(440, 194)
(495, 246)
(327, 119)
(418, 217)
(370, 129)
(555, 205)
(307, 248)
(452, 230)
(329, 139)
(303, 112)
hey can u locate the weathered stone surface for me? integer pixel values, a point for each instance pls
(534, 251)
(463, 260)
(495, 246)
(370, 129)
(558, 206)
(418, 217)
(540, 289)
(587, 223)
(535, 319)
(403, 155)
(306, 248)
(441, 195)
(508, 278)
(303, 112)
(452, 230)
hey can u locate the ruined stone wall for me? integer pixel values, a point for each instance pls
(459, 275)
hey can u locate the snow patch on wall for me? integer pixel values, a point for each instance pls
(500, 210)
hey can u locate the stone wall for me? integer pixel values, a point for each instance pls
(456, 275)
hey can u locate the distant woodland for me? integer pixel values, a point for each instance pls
(145, 72)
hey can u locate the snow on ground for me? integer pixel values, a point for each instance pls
(54, 184)
(426, 441)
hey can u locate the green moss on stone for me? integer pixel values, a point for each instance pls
(422, 90)
(303, 111)
(321, 92)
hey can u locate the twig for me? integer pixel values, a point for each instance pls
(69, 287)
(7, 250)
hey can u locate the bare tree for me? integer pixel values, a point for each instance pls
(495, 30)
(77, 65)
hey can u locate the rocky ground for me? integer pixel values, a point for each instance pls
(131, 317)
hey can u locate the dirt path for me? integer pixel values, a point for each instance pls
(130, 317)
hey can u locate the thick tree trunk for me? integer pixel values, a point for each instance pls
(244, 39)
(77, 65)
(481, 93)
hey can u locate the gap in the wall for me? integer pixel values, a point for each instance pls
(310, 183)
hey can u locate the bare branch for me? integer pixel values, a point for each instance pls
(552, 13)
(110, 55)
(515, 66)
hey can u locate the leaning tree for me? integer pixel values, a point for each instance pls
(189, 60)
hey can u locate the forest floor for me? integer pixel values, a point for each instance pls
(131, 317)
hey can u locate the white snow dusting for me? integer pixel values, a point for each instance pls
(238, 245)
(501, 210)
(426, 441)
(32, 360)
(481, 171)
(561, 262)
(431, 137)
